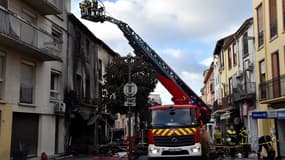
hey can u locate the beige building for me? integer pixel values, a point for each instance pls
(234, 80)
(32, 49)
(269, 26)
(208, 91)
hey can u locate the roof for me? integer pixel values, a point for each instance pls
(75, 20)
(244, 26)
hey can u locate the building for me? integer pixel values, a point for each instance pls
(88, 123)
(208, 91)
(208, 96)
(32, 50)
(269, 27)
(234, 79)
(245, 79)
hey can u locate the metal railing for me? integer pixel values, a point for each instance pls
(245, 91)
(273, 88)
(16, 28)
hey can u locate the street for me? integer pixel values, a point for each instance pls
(144, 157)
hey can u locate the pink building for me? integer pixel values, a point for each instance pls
(208, 91)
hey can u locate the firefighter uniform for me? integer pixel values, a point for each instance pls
(233, 135)
(218, 137)
(244, 142)
(243, 136)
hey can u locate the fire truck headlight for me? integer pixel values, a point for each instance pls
(196, 149)
(154, 150)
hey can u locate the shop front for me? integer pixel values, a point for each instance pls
(278, 115)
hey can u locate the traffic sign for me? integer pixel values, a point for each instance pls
(130, 89)
(131, 101)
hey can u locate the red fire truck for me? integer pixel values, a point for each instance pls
(174, 130)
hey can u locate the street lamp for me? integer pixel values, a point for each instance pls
(129, 59)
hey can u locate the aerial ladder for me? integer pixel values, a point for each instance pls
(182, 94)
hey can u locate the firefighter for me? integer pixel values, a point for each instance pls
(265, 141)
(94, 6)
(85, 7)
(232, 135)
(244, 141)
(232, 140)
(218, 136)
(243, 136)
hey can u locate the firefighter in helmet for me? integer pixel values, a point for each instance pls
(218, 136)
(244, 141)
(231, 136)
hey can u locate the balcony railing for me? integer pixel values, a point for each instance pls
(274, 88)
(245, 91)
(47, 7)
(19, 34)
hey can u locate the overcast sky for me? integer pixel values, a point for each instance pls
(182, 32)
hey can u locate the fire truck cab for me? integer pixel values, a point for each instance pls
(174, 131)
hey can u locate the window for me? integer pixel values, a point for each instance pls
(260, 25)
(57, 37)
(0, 120)
(275, 74)
(100, 69)
(230, 57)
(87, 88)
(27, 82)
(283, 14)
(234, 54)
(245, 44)
(3, 3)
(87, 47)
(262, 73)
(230, 85)
(2, 73)
(273, 18)
(222, 59)
(78, 85)
(55, 84)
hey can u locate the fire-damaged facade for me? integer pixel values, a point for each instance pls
(87, 120)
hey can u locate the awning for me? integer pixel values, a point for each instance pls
(226, 115)
(220, 111)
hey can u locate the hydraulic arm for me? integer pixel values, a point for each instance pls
(181, 93)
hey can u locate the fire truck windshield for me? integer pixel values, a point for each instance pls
(174, 118)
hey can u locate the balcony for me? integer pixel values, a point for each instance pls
(27, 39)
(245, 92)
(273, 90)
(47, 7)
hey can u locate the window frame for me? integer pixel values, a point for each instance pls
(283, 14)
(100, 69)
(260, 25)
(273, 26)
(229, 57)
(245, 49)
(33, 66)
(2, 74)
(55, 77)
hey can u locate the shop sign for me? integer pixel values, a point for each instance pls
(259, 115)
(281, 115)
(271, 114)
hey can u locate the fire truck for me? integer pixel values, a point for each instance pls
(175, 130)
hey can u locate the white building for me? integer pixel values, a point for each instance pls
(32, 51)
